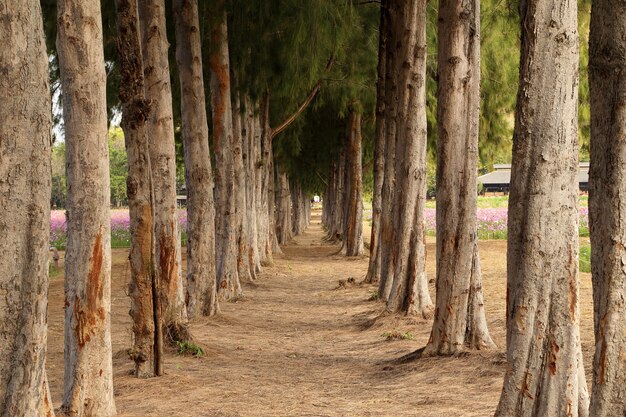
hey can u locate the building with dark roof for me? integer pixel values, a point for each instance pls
(499, 179)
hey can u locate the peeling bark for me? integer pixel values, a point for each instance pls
(160, 128)
(88, 383)
(545, 375)
(228, 285)
(201, 292)
(460, 321)
(25, 187)
(607, 181)
(136, 110)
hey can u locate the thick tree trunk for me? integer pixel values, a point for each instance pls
(353, 199)
(607, 180)
(283, 207)
(545, 375)
(25, 188)
(88, 385)
(146, 351)
(271, 198)
(201, 294)
(409, 289)
(163, 164)
(228, 285)
(373, 270)
(459, 313)
(241, 220)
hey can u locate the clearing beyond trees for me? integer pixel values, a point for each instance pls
(306, 339)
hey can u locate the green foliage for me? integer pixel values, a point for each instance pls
(118, 171)
(189, 348)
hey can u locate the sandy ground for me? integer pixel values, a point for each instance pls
(298, 345)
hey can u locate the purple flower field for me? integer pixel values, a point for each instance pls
(120, 227)
(491, 225)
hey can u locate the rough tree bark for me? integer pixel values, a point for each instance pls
(25, 188)
(299, 209)
(283, 207)
(241, 219)
(146, 351)
(409, 290)
(88, 382)
(228, 285)
(387, 231)
(201, 294)
(373, 270)
(353, 199)
(160, 128)
(607, 180)
(460, 321)
(545, 375)
(251, 157)
(263, 146)
(337, 195)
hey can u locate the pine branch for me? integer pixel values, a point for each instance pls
(316, 88)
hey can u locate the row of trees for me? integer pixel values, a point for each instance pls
(231, 226)
(545, 375)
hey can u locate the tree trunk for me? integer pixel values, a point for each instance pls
(160, 130)
(409, 289)
(607, 180)
(201, 294)
(251, 158)
(146, 351)
(241, 220)
(298, 209)
(283, 207)
(25, 189)
(459, 313)
(337, 194)
(387, 232)
(263, 177)
(228, 285)
(373, 270)
(545, 375)
(88, 385)
(353, 200)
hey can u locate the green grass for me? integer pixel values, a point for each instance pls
(501, 201)
(584, 258)
(189, 348)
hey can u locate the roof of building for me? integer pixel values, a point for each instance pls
(502, 175)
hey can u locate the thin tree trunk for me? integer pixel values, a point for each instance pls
(136, 110)
(545, 375)
(241, 220)
(201, 294)
(353, 200)
(283, 207)
(25, 189)
(460, 321)
(409, 290)
(163, 163)
(387, 231)
(263, 177)
(607, 180)
(373, 270)
(88, 382)
(253, 134)
(228, 285)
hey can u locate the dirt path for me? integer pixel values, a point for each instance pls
(298, 345)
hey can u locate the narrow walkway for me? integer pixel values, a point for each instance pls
(299, 344)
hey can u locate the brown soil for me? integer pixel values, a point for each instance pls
(301, 344)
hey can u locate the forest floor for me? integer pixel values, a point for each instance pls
(301, 344)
